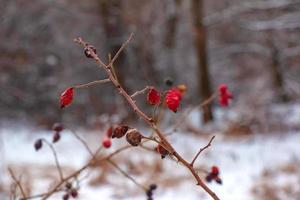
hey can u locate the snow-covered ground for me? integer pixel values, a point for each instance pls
(246, 164)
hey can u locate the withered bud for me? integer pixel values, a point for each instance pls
(38, 144)
(218, 180)
(162, 151)
(56, 137)
(119, 131)
(57, 127)
(133, 137)
(88, 49)
(65, 197)
(68, 185)
(74, 193)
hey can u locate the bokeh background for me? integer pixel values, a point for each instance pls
(252, 46)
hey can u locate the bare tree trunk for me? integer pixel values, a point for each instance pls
(277, 74)
(203, 70)
(110, 11)
(173, 11)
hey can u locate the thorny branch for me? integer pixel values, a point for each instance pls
(147, 119)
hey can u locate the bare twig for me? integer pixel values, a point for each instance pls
(139, 92)
(202, 149)
(57, 187)
(183, 117)
(91, 83)
(56, 159)
(17, 182)
(126, 174)
(83, 142)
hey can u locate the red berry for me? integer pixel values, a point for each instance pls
(109, 132)
(222, 88)
(66, 97)
(224, 95)
(106, 143)
(153, 96)
(173, 98)
(215, 170)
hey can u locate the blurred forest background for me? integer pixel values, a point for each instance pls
(253, 46)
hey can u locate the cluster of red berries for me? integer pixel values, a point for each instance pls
(70, 192)
(150, 190)
(172, 98)
(133, 136)
(214, 175)
(224, 95)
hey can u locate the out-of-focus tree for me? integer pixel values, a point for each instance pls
(204, 82)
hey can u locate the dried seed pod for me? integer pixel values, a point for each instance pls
(119, 131)
(218, 180)
(56, 137)
(38, 144)
(153, 186)
(169, 81)
(68, 185)
(109, 132)
(133, 137)
(88, 51)
(58, 127)
(208, 178)
(74, 193)
(162, 151)
(65, 197)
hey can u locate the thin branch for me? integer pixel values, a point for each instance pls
(120, 50)
(17, 182)
(126, 174)
(201, 150)
(77, 172)
(92, 83)
(56, 159)
(183, 117)
(83, 142)
(139, 92)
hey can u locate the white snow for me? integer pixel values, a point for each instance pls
(241, 162)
